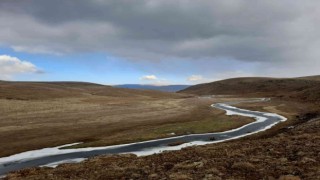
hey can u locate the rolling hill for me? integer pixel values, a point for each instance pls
(316, 78)
(169, 88)
(302, 88)
(49, 90)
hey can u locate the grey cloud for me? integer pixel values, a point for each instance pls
(245, 30)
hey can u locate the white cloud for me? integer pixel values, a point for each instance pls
(154, 80)
(10, 66)
(195, 78)
(232, 74)
(149, 77)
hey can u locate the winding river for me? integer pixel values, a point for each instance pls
(56, 155)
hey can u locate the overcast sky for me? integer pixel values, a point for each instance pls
(157, 41)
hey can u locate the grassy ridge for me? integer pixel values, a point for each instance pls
(302, 89)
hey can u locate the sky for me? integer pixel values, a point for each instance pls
(157, 41)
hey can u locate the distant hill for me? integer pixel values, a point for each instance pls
(302, 88)
(169, 88)
(49, 90)
(316, 78)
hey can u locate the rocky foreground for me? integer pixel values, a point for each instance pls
(290, 154)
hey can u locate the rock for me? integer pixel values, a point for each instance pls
(211, 177)
(199, 164)
(254, 160)
(283, 160)
(301, 153)
(308, 160)
(153, 176)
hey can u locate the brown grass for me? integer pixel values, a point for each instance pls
(281, 152)
(119, 116)
(290, 153)
(304, 89)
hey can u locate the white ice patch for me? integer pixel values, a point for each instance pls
(35, 154)
(55, 164)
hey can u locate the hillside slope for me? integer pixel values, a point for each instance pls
(35, 115)
(169, 88)
(303, 89)
(317, 78)
(51, 90)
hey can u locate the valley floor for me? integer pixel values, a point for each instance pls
(102, 120)
(290, 150)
